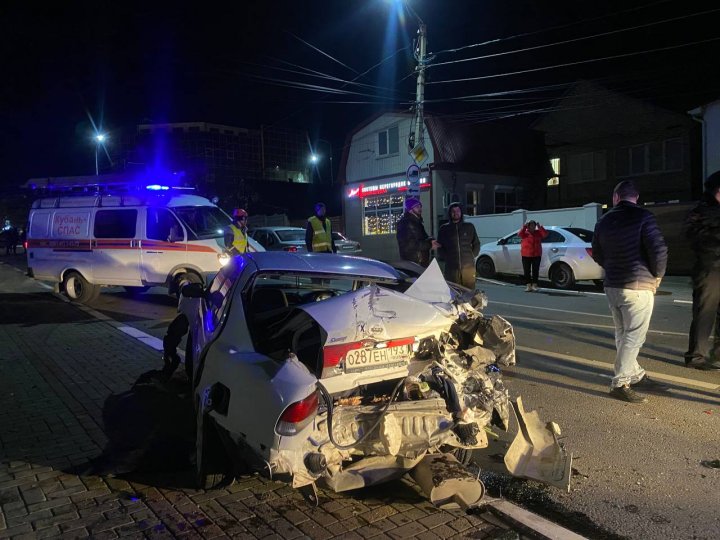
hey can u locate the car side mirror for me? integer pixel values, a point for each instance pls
(502, 242)
(193, 290)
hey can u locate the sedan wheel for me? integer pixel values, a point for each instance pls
(485, 267)
(562, 276)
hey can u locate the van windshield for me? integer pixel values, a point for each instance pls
(204, 221)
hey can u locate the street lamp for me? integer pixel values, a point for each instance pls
(100, 138)
(315, 159)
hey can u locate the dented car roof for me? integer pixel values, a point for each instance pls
(324, 263)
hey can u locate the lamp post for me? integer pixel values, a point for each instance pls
(100, 138)
(315, 159)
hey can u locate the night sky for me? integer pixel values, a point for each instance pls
(248, 63)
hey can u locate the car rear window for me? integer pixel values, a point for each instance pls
(290, 235)
(582, 234)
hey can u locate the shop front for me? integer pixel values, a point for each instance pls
(373, 208)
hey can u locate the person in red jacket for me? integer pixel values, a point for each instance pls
(531, 236)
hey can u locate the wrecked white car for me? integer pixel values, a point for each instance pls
(343, 371)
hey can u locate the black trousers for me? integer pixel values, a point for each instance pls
(706, 315)
(531, 264)
(175, 332)
(464, 276)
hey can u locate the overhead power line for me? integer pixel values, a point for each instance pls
(576, 63)
(558, 27)
(322, 52)
(574, 40)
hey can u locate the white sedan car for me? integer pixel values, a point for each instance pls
(344, 370)
(566, 257)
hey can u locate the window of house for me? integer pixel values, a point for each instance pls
(177, 130)
(214, 130)
(115, 223)
(381, 214)
(472, 200)
(231, 155)
(555, 164)
(652, 157)
(586, 167)
(389, 141)
(209, 152)
(506, 199)
(194, 128)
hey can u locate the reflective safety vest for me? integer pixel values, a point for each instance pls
(321, 240)
(239, 242)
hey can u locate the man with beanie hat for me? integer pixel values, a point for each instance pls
(460, 246)
(702, 229)
(414, 243)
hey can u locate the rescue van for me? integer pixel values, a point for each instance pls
(158, 236)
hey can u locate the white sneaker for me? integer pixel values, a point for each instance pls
(528, 288)
(535, 287)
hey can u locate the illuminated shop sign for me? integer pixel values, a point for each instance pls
(386, 187)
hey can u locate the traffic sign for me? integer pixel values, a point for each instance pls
(413, 176)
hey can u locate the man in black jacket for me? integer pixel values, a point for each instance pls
(414, 243)
(459, 246)
(631, 249)
(702, 228)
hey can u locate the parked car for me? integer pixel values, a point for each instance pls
(280, 238)
(566, 257)
(341, 370)
(345, 246)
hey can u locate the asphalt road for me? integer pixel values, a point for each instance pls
(638, 468)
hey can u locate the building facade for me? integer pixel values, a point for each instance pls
(709, 117)
(596, 138)
(465, 164)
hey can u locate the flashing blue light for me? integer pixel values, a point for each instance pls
(157, 187)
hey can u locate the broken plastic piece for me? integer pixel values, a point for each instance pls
(446, 482)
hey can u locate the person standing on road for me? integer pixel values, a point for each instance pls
(236, 241)
(413, 241)
(531, 236)
(629, 246)
(318, 232)
(460, 246)
(702, 228)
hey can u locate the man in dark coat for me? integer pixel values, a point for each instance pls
(702, 228)
(414, 243)
(631, 249)
(459, 246)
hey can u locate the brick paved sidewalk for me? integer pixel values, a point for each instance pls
(59, 365)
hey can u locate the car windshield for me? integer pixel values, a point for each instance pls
(291, 235)
(204, 221)
(337, 236)
(582, 234)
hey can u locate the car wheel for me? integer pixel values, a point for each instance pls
(136, 290)
(212, 465)
(189, 277)
(78, 289)
(485, 267)
(562, 276)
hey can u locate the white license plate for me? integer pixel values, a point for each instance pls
(362, 359)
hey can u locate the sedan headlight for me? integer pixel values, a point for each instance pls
(224, 258)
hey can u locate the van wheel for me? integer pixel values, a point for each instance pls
(212, 464)
(189, 277)
(79, 289)
(485, 267)
(562, 276)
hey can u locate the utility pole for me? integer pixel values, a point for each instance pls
(416, 140)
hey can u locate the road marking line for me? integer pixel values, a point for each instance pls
(609, 367)
(550, 309)
(571, 323)
(493, 281)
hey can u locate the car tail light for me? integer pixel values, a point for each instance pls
(25, 245)
(290, 248)
(298, 415)
(589, 252)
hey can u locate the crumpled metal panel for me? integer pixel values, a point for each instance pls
(535, 453)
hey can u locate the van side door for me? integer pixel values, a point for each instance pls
(116, 253)
(164, 245)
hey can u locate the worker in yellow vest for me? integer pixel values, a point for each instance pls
(318, 233)
(236, 241)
